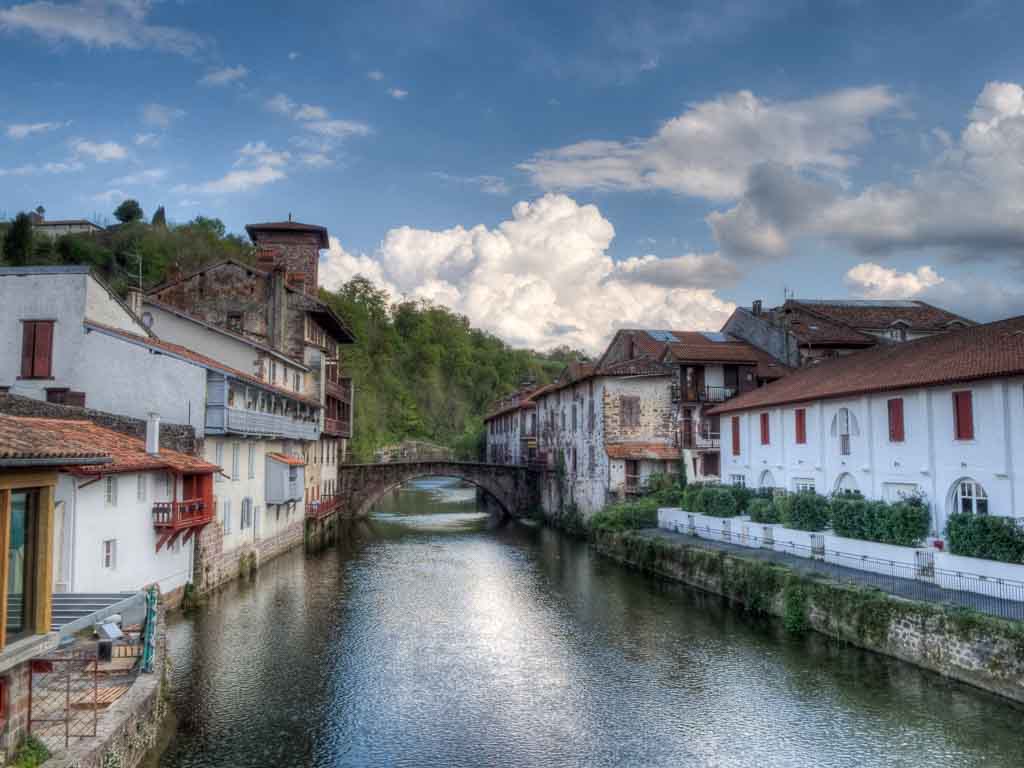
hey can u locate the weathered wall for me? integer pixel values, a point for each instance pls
(176, 437)
(761, 333)
(215, 565)
(979, 650)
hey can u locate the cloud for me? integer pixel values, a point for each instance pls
(109, 196)
(311, 112)
(22, 130)
(873, 281)
(223, 76)
(257, 165)
(316, 159)
(375, 74)
(397, 93)
(150, 176)
(146, 139)
(161, 115)
(281, 104)
(100, 24)
(338, 129)
(32, 169)
(293, 55)
(966, 200)
(327, 132)
(708, 270)
(541, 278)
(491, 185)
(709, 150)
(101, 152)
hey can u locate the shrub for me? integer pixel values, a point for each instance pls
(627, 515)
(31, 754)
(849, 517)
(690, 494)
(905, 523)
(783, 504)
(762, 510)
(720, 501)
(807, 512)
(702, 500)
(742, 496)
(990, 537)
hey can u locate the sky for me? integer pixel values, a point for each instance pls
(552, 170)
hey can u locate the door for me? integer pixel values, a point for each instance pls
(687, 427)
(632, 476)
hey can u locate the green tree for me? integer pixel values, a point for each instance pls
(159, 218)
(18, 241)
(128, 212)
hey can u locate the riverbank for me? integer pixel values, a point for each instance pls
(979, 650)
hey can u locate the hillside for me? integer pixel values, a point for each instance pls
(420, 371)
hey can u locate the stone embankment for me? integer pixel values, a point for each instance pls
(980, 650)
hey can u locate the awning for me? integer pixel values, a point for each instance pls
(292, 461)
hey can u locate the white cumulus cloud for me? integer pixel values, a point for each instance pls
(223, 76)
(873, 281)
(539, 279)
(397, 93)
(257, 165)
(22, 130)
(160, 115)
(101, 152)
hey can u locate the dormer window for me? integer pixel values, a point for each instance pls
(235, 321)
(898, 331)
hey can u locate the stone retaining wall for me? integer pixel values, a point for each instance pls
(982, 651)
(215, 567)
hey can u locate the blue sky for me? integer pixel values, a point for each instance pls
(553, 170)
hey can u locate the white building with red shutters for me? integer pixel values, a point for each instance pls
(942, 416)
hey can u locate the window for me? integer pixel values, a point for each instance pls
(167, 479)
(591, 415)
(896, 420)
(110, 491)
(629, 416)
(252, 460)
(738, 480)
(574, 417)
(225, 519)
(800, 416)
(236, 450)
(140, 486)
(971, 498)
(245, 519)
(963, 415)
(803, 484)
(218, 454)
(765, 429)
(844, 424)
(110, 554)
(735, 435)
(235, 321)
(36, 349)
(767, 481)
(273, 371)
(298, 385)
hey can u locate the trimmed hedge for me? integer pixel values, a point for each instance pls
(718, 501)
(904, 523)
(806, 512)
(628, 515)
(987, 536)
(763, 510)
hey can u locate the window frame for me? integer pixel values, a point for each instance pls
(629, 411)
(37, 335)
(736, 436)
(963, 415)
(978, 494)
(766, 428)
(800, 425)
(108, 554)
(897, 422)
(110, 491)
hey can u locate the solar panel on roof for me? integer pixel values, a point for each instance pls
(665, 337)
(716, 336)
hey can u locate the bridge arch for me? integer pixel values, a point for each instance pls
(514, 488)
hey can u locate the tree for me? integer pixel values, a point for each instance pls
(18, 241)
(160, 218)
(41, 211)
(129, 211)
(214, 226)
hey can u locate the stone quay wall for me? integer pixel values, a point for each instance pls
(215, 566)
(976, 649)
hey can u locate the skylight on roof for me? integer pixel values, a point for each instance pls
(716, 336)
(665, 337)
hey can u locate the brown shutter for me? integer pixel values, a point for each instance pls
(765, 436)
(43, 351)
(963, 415)
(801, 426)
(28, 336)
(735, 436)
(896, 420)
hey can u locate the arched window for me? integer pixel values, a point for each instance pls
(846, 484)
(970, 498)
(844, 425)
(767, 480)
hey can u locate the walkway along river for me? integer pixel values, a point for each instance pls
(434, 638)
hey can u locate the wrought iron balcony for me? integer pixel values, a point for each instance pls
(705, 439)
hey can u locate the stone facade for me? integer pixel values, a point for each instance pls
(215, 566)
(175, 437)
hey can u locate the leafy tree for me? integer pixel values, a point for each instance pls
(159, 218)
(18, 241)
(128, 212)
(215, 226)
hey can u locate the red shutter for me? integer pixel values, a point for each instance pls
(43, 351)
(28, 337)
(896, 420)
(735, 436)
(963, 415)
(801, 425)
(765, 436)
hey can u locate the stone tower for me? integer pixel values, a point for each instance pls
(292, 247)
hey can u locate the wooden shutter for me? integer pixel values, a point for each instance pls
(801, 425)
(42, 352)
(28, 340)
(735, 436)
(765, 435)
(896, 420)
(963, 415)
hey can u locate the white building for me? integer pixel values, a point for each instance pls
(59, 227)
(942, 416)
(511, 428)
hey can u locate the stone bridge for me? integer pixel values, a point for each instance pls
(516, 489)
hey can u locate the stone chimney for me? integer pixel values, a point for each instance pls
(756, 308)
(153, 434)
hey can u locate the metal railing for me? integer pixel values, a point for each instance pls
(338, 427)
(171, 514)
(918, 581)
(322, 507)
(716, 394)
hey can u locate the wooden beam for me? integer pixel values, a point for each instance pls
(27, 479)
(42, 578)
(5, 546)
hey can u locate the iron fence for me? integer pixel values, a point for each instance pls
(920, 580)
(62, 702)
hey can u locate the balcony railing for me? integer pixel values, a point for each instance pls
(247, 422)
(181, 514)
(716, 394)
(339, 390)
(322, 507)
(705, 438)
(338, 427)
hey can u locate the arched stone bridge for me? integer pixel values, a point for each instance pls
(515, 488)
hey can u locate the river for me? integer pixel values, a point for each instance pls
(432, 637)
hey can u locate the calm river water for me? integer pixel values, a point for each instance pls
(435, 639)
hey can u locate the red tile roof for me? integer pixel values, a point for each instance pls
(977, 352)
(816, 329)
(289, 226)
(867, 314)
(22, 436)
(640, 451)
(198, 359)
(698, 348)
(284, 458)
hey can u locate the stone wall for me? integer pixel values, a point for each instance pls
(175, 437)
(980, 650)
(214, 566)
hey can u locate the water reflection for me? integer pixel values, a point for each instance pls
(430, 637)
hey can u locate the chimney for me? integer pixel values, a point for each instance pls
(153, 434)
(135, 301)
(756, 308)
